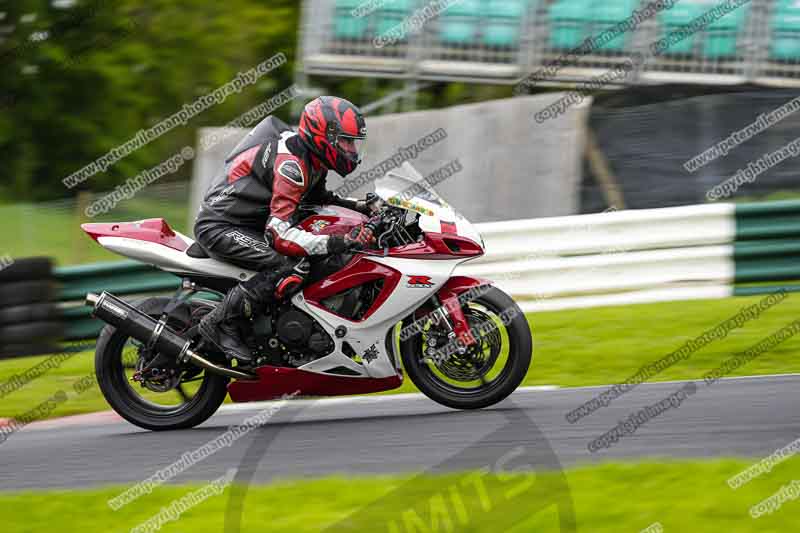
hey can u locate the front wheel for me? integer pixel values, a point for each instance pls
(487, 372)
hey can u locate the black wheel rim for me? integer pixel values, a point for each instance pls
(175, 401)
(483, 368)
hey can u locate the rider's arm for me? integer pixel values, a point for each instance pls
(320, 195)
(289, 185)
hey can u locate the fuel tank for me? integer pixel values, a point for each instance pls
(330, 220)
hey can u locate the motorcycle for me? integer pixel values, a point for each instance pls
(358, 324)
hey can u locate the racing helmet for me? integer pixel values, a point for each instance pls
(335, 131)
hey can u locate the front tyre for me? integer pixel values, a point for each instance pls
(184, 399)
(486, 373)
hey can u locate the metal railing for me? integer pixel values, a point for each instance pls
(754, 43)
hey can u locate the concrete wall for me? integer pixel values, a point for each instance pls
(513, 167)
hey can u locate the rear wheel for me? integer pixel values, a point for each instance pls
(152, 391)
(484, 374)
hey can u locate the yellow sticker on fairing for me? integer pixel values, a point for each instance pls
(405, 204)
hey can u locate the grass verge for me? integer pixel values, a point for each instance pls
(609, 498)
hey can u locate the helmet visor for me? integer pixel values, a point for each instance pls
(354, 148)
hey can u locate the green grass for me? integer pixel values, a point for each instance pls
(53, 230)
(571, 348)
(607, 345)
(688, 496)
(37, 391)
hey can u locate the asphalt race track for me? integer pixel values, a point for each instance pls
(736, 417)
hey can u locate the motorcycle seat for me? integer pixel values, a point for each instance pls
(196, 251)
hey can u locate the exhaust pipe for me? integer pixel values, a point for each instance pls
(155, 334)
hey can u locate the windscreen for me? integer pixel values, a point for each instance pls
(405, 187)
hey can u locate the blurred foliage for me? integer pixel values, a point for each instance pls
(77, 82)
(80, 78)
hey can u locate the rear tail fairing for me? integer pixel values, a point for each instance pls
(153, 242)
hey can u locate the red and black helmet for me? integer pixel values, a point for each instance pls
(335, 131)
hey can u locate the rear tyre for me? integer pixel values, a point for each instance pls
(113, 362)
(488, 372)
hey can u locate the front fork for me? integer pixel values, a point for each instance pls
(447, 310)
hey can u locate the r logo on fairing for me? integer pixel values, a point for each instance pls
(420, 282)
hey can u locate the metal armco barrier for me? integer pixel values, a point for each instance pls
(616, 258)
(29, 318)
(648, 255)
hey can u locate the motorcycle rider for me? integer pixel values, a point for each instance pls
(249, 214)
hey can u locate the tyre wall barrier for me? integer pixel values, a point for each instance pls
(30, 321)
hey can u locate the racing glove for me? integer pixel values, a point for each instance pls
(359, 238)
(370, 205)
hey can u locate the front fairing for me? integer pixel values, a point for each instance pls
(404, 187)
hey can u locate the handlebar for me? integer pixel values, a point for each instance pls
(388, 223)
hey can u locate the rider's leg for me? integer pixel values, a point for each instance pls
(246, 248)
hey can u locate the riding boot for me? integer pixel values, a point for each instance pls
(222, 326)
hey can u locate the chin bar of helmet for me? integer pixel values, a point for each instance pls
(155, 334)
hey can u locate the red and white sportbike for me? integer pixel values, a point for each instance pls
(463, 342)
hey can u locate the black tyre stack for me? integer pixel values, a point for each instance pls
(29, 318)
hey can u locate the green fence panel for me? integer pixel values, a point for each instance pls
(768, 220)
(770, 268)
(766, 248)
(767, 242)
(761, 289)
(121, 278)
(785, 43)
(459, 24)
(724, 34)
(609, 14)
(124, 278)
(503, 26)
(79, 323)
(569, 23)
(69, 273)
